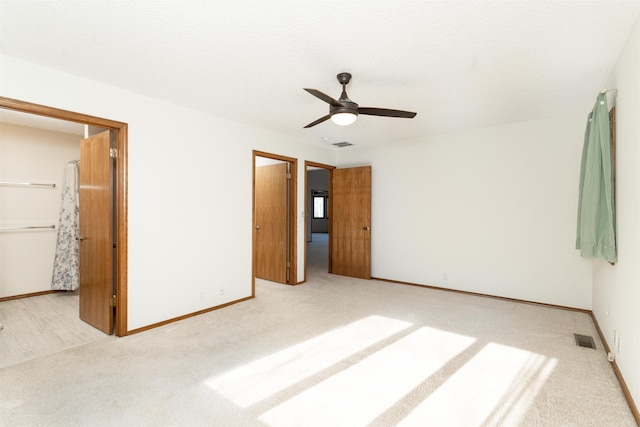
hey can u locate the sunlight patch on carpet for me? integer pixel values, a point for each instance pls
(255, 381)
(363, 391)
(495, 387)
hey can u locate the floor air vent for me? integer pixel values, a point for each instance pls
(585, 341)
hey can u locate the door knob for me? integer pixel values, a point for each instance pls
(257, 227)
(80, 238)
(366, 228)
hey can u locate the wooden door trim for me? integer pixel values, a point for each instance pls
(121, 190)
(307, 165)
(293, 225)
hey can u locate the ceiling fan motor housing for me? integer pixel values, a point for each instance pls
(347, 106)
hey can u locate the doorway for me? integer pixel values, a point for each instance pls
(274, 218)
(118, 193)
(348, 206)
(317, 218)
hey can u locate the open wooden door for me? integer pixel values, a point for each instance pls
(271, 214)
(96, 231)
(350, 237)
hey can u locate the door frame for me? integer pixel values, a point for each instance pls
(121, 131)
(293, 223)
(307, 165)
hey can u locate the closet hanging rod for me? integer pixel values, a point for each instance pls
(33, 227)
(32, 184)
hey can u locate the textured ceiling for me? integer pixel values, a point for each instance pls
(459, 64)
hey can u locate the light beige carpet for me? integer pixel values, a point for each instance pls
(332, 352)
(42, 325)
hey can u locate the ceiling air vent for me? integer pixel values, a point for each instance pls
(342, 144)
(585, 341)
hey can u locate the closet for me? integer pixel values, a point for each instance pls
(32, 172)
(110, 158)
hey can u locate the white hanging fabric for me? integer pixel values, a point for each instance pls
(66, 264)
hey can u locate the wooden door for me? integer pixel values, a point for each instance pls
(96, 231)
(350, 238)
(271, 193)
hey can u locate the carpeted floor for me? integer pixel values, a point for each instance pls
(41, 325)
(334, 351)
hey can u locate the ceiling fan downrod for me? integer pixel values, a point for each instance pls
(344, 79)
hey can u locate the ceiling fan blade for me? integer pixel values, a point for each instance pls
(386, 112)
(326, 98)
(320, 120)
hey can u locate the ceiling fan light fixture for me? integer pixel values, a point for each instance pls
(343, 119)
(344, 111)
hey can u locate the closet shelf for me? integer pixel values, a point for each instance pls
(26, 184)
(32, 227)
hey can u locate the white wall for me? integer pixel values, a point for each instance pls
(190, 189)
(489, 210)
(616, 289)
(30, 155)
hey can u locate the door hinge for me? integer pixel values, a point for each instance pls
(288, 264)
(288, 176)
(113, 153)
(113, 301)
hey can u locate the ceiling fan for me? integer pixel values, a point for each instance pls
(344, 111)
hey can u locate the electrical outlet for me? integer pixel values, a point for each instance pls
(221, 291)
(615, 338)
(619, 347)
(202, 296)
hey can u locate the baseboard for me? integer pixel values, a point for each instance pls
(476, 294)
(33, 294)
(616, 370)
(186, 316)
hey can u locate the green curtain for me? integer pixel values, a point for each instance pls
(596, 233)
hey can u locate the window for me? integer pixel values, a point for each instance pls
(318, 207)
(320, 201)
